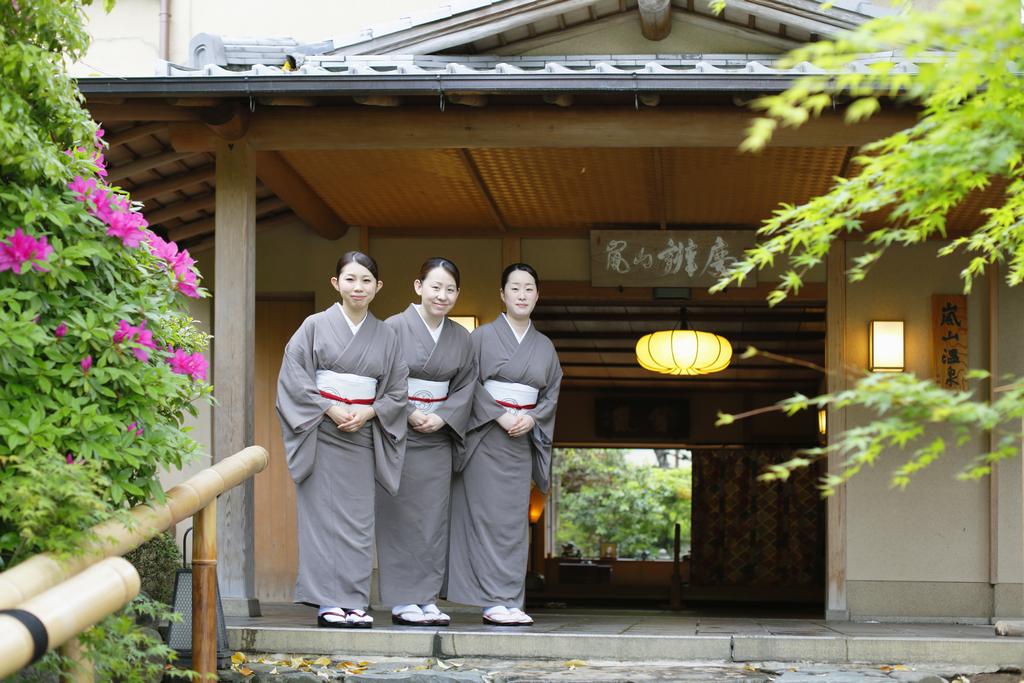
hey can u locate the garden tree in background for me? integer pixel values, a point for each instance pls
(968, 135)
(605, 499)
(99, 361)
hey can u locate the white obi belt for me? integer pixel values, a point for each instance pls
(346, 389)
(514, 398)
(427, 395)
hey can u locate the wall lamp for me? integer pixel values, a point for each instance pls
(885, 346)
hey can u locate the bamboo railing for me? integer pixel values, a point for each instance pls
(47, 601)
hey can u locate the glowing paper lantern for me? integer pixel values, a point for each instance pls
(683, 352)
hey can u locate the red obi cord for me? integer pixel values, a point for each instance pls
(515, 406)
(421, 399)
(350, 401)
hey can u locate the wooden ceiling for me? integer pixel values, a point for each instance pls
(596, 339)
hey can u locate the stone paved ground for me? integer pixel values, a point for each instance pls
(280, 668)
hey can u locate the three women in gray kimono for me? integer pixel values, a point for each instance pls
(440, 399)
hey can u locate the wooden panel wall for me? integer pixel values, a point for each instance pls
(276, 544)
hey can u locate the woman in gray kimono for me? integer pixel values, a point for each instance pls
(341, 397)
(412, 527)
(509, 441)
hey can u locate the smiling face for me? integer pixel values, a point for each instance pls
(438, 292)
(357, 287)
(519, 295)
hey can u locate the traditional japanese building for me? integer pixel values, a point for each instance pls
(518, 130)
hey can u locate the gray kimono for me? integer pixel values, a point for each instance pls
(491, 492)
(334, 470)
(412, 526)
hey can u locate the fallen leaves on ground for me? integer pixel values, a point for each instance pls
(572, 664)
(893, 667)
(238, 658)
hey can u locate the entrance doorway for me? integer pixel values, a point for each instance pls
(742, 541)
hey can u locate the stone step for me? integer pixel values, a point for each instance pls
(508, 643)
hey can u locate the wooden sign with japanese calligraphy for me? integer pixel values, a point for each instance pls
(665, 258)
(949, 341)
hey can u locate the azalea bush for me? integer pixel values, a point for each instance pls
(99, 361)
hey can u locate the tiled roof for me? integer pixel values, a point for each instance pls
(404, 65)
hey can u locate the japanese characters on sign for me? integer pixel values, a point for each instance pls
(665, 258)
(949, 341)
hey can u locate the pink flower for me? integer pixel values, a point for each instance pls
(128, 226)
(60, 330)
(82, 187)
(86, 363)
(69, 459)
(135, 429)
(140, 335)
(114, 210)
(101, 164)
(184, 363)
(124, 331)
(188, 286)
(166, 251)
(20, 249)
(99, 135)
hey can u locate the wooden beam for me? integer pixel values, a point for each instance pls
(467, 100)
(674, 315)
(202, 102)
(234, 313)
(281, 101)
(209, 242)
(581, 290)
(228, 120)
(562, 99)
(280, 178)
(172, 183)
(481, 186)
(378, 100)
(134, 133)
(835, 361)
(408, 128)
(655, 18)
(207, 226)
(182, 208)
(121, 171)
(139, 111)
(747, 337)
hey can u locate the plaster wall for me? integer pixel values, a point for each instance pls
(923, 551)
(479, 262)
(622, 36)
(1008, 485)
(125, 41)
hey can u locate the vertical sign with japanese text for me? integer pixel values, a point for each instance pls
(949, 341)
(665, 258)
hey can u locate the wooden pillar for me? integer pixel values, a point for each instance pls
(234, 314)
(204, 592)
(655, 18)
(835, 361)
